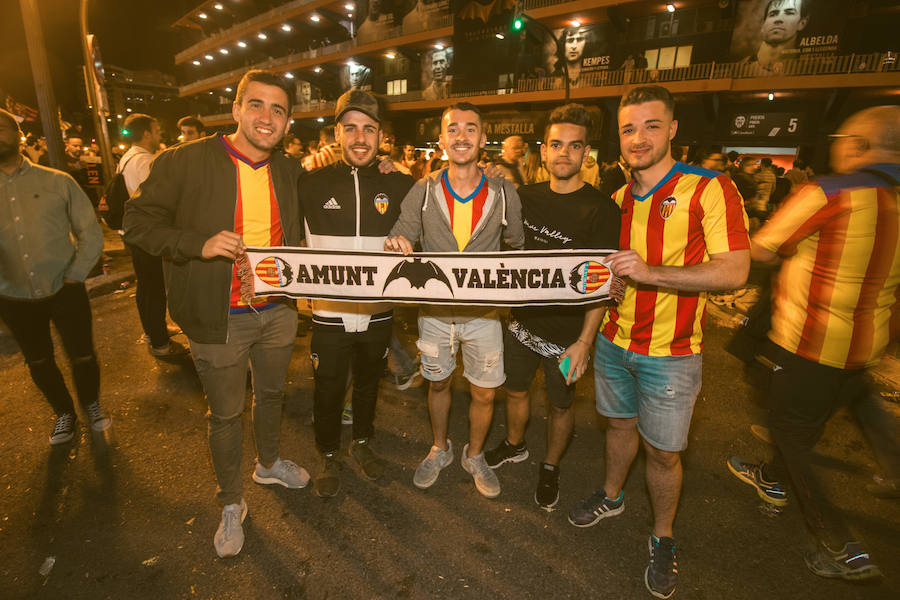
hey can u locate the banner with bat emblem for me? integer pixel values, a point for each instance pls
(518, 278)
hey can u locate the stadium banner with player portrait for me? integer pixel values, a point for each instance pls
(769, 32)
(374, 20)
(436, 73)
(518, 278)
(584, 49)
(424, 15)
(486, 50)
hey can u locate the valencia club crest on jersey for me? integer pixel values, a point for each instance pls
(667, 207)
(381, 202)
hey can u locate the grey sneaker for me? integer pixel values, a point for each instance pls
(172, 350)
(99, 421)
(64, 430)
(328, 481)
(485, 479)
(230, 535)
(283, 472)
(428, 470)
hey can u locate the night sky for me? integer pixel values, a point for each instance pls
(135, 34)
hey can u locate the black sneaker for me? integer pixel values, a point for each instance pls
(547, 493)
(505, 453)
(64, 430)
(772, 492)
(851, 562)
(662, 572)
(597, 506)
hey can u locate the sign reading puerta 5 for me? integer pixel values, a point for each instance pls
(496, 279)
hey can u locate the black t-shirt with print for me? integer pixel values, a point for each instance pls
(581, 219)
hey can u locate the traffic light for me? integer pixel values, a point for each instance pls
(125, 133)
(518, 23)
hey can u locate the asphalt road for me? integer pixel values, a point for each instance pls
(133, 516)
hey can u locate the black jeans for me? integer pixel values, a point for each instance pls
(333, 352)
(29, 322)
(804, 395)
(150, 295)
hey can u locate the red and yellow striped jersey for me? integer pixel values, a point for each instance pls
(839, 286)
(689, 215)
(256, 216)
(465, 213)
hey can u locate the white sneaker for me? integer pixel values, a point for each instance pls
(428, 470)
(230, 535)
(485, 478)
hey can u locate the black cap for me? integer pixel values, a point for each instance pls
(359, 100)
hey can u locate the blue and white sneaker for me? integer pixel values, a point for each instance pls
(661, 574)
(595, 507)
(772, 492)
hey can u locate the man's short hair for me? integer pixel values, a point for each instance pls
(327, 134)
(8, 116)
(137, 124)
(572, 113)
(799, 164)
(648, 93)
(766, 162)
(804, 7)
(192, 122)
(264, 77)
(733, 156)
(463, 106)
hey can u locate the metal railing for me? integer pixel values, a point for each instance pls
(827, 65)
(288, 59)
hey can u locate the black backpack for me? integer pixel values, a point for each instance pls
(112, 204)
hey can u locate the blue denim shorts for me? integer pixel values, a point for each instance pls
(481, 342)
(659, 390)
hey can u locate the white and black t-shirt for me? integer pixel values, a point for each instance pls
(581, 219)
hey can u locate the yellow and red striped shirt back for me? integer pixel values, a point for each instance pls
(839, 287)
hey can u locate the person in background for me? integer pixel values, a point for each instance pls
(510, 159)
(49, 241)
(534, 171)
(150, 296)
(191, 129)
(834, 311)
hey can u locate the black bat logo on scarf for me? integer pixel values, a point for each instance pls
(418, 273)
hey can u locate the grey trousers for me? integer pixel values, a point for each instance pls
(264, 341)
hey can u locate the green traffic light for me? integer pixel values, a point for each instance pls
(518, 23)
(125, 132)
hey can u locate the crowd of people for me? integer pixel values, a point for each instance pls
(679, 231)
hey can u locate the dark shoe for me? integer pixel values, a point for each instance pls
(371, 465)
(547, 493)
(172, 350)
(851, 562)
(662, 572)
(751, 474)
(595, 507)
(882, 487)
(328, 481)
(505, 453)
(64, 430)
